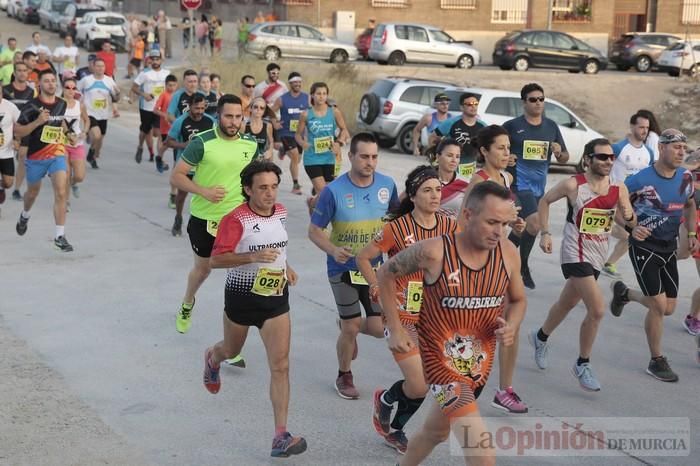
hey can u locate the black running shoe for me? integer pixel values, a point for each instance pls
(177, 226)
(619, 298)
(62, 244)
(91, 159)
(527, 278)
(139, 155)
(159, 164)
(151, 158)
(16, 195)
(22, 225)
(659, 369)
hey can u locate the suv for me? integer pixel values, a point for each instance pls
(521, 50)
(392, 107)
(70, 17)
(639, 49)
(50, 11)
(397, 44)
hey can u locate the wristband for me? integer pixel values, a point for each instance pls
(692, 234)
(545, 232)
(628, 219)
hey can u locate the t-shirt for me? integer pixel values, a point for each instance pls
(70, 62)
(180, 103)
(212, 102)
(139, 48)
(629, 160)
(16, 96)
(532, 146)
(7, 70)
(151, 82)
(184, 128)
(658, 203)
(452, 194)
(97, 95)
(270, 91)
(37, 48)
(46, 141)
(9, 114)
(162, 106)
(355, 213)
(457, 129)
(218, 161)
(110, 60)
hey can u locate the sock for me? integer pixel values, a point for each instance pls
(515, 239)
(501, 390)
(25, 215)
(279, 430)
(657, 358)
(541, 335)
(296, 182)
(526, 242)
(581, 360)
(341, 373)
(392, 395)
(60, 230)
(407, 408)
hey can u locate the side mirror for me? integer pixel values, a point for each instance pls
(572, 124)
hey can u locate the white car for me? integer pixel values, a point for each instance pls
(97, 26)
(681, 57)
(3, 5)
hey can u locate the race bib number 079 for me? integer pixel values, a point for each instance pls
(596, 221)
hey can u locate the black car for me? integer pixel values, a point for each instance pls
(640, 49)
(520, 50)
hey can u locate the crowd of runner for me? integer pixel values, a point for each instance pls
(438, 268)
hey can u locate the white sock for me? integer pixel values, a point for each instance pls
(25, 215)
(60, 230)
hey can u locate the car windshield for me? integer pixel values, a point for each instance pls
(80, 13)
(110, 20)
(440, 36)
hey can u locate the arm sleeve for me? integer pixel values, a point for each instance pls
(27, 115)
(324, 210)
(228, 236)
(175, 129)
(194, 152)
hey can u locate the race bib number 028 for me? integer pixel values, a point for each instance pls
(269, 282)
(535, 150)
(596, 221)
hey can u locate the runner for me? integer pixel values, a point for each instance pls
(246, 94)
(77, 120)
(149, 85)
(652, 139)
(87, 70)
(468, 279)
(691, 323)
(463, 128)
(8, 57)
(66, 57)
(354, 204)
(260, 129)
(9, 114)
(252, 245)
(36, 45)
(272, 88)
(19, 93)
(431, 120)
(161, 109)
(219, 155)
(453, 184)
(42, 122)
(208, 92)
(100, 95)
(107, 55)
(181, 133)
(534, 138)
(660, 194)
(29, 59)
(416, 219)
(631, 156)
(592, 200)
(290, 106)
(316, 135)
(216, 84)
(180, 101)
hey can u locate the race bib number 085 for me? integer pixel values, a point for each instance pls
(535, 150)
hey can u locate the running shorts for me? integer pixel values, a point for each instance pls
(102, 124)
(76, 152)
(38, 169)
(250, 316)
(318, 171)
(697, 229)
(136, 62)
(579, 269)
(289, 143)
(410, 328)
(528, 203)
(456, 399)
(657, 272)
(348, 297)
(7, 167)
(201, 240)
(149, 121)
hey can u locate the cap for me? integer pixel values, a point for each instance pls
(92, 57)
(154, 53)
(294, 77)
(441, 97)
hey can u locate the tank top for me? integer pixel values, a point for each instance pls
(290, 111)
(320, 133)
(73, 121)
(260, 138)
(458, 318)
(588, 225)
(434, 122)
(452, 194)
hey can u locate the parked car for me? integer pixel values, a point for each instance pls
(521, 50)
(399, 43)
(28, 11)
(363, 42)
(96, 27)
(12, 7)
(283, 39)
(682, 57)
(3, 4)
(70, 17)
(392, 107)
(639, 49)
(50, 11)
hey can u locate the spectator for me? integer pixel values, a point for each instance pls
(186, 26)
(218, 36)
(243, 31)
(210, 34)
(202, 33)
(259, 18)
(163, 25)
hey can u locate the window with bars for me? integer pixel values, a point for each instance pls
(573, 11)
(297, 2)
(509, 11)
(691, 12)
(458, 4)
(390, 3)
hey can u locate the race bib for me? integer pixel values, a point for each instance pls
(52, 135)
(99, 104)
(157, 90)
(293, 125)
(324, 144)
(69, 64)
(337, 169)
(212, 227)
(269, 282)
(535, 150)
(596, 221)
(467, 169)
(356, 278)
(414, 297)
(2, 139)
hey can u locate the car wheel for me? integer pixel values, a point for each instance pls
(369, 108)
(339, 56)
(622, 67)
(521, 64)
(272, 54)
(397, 58)
(405, 138)
(591, 67)
(465, 62)
(694, 70)
(643, 64)
(386, 143)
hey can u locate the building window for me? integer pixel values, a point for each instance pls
(297, 2)
(390, 3)
(571, 11)
(691, 12)
(509, 11)
(458, 4)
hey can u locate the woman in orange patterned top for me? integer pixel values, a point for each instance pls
(416, 219)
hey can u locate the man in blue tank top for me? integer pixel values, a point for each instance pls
(290, 106)
(431, 120)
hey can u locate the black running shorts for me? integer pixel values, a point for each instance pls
(200, 239)
(102, 124)
(657, 272)
(241, 310)
(318, 171)
(579, 269)
(7, 167)
(149, 120)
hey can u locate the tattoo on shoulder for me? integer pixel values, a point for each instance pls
(407, 261)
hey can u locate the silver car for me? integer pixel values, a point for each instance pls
(283, 39)
(400, 43)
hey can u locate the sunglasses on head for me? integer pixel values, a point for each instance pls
(532, 100)
(603, 157)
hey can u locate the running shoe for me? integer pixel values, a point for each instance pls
(659, 369)
(21, 226)
(692, 325)
(541, 349)
(619, 298)
(286, 444)
(381, 413)
(345, 387)
(139, 155)
(183, 322)
(212, 381)
(2, 196)
(62, 244)
(509, 401)
(236, 361)
(171, 201)
(16, 195)
(611, 271)
(151, 158)
(76, 191)
(398, 441)
(697, 342)
(297, 190)
(177, 226)
(584, 374)
(160, 165)
(355, 349)
(527, 278)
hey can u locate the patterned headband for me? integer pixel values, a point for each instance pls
(420, 178)
(671, 138)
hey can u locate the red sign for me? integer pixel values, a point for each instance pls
(191, 4)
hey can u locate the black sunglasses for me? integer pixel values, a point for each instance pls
(603, 157)
(532, 100)
(249, 86)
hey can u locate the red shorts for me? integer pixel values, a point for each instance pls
(76, 153)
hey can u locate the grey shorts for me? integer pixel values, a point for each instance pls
(349, 296)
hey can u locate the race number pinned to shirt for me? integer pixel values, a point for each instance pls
(467, 169)
(99, 104)
(157, 91)
(52, 135)
(212, 227)
(535, 150)
(324, 144)
(269, 282)
(293, 125)
(414, 297)
(596, 221)
(356, 278)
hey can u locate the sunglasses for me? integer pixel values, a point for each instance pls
(72, 88)
(249, 86)
(603, 157)
(471, 104)
(532, 100)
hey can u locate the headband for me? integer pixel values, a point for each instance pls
(421, 177)
(671, 138)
